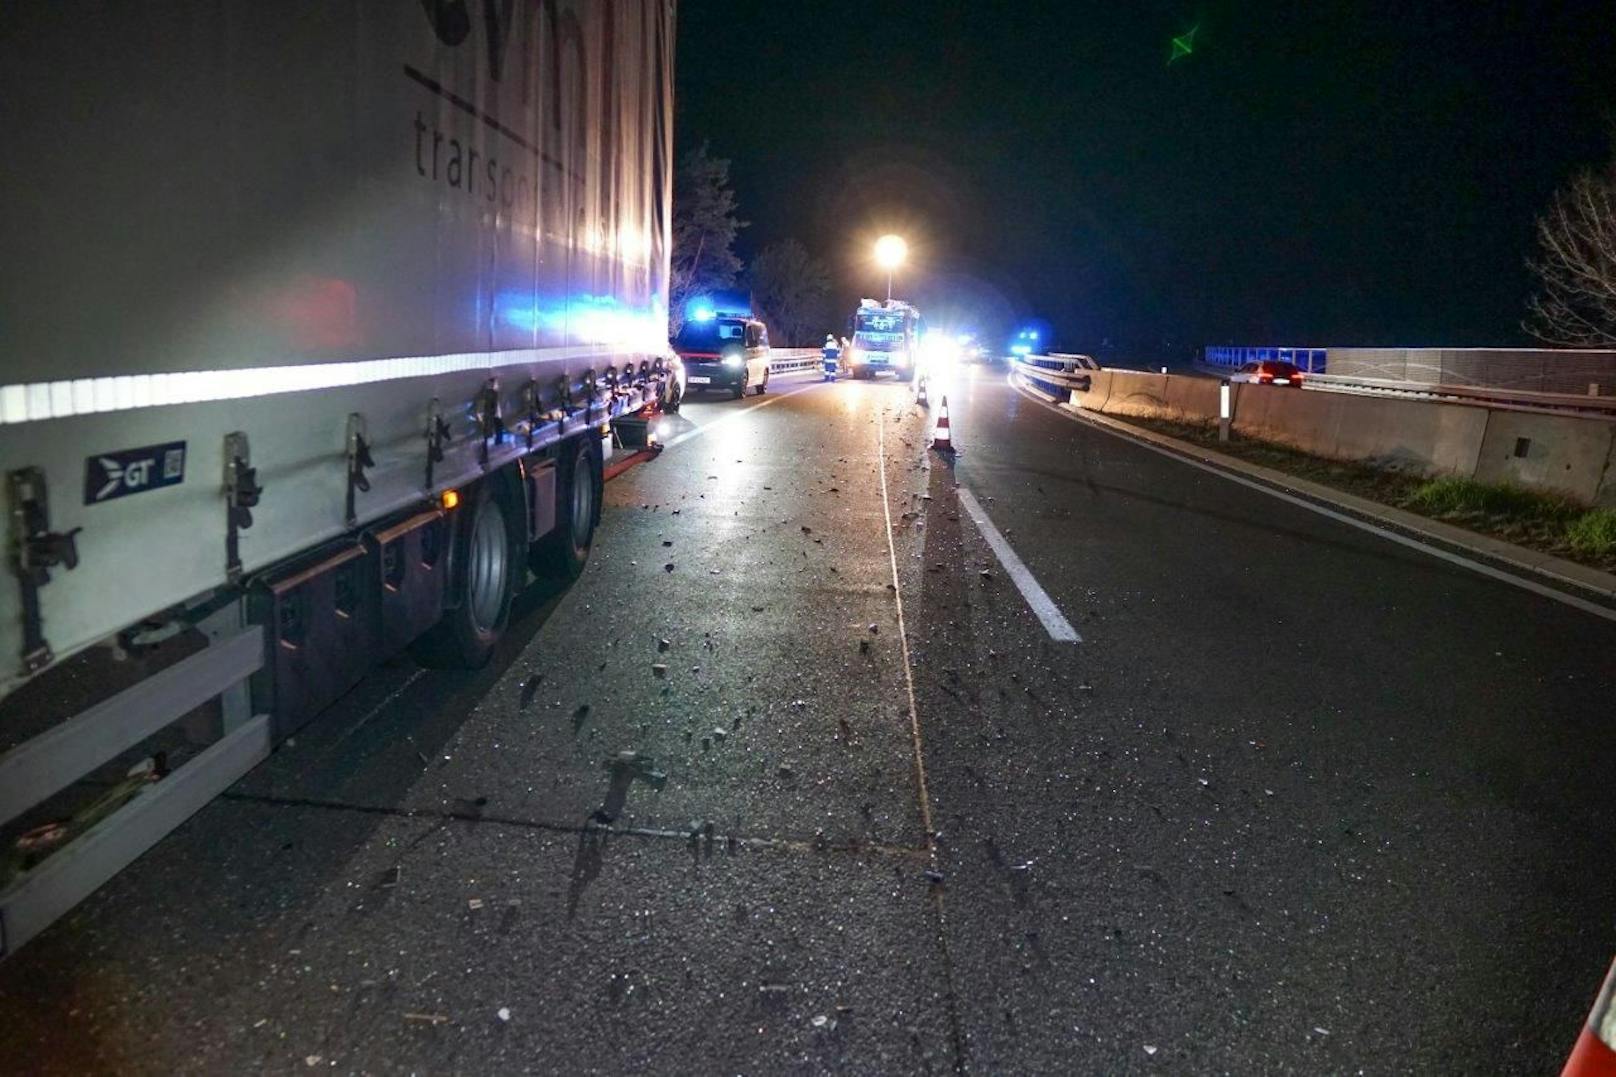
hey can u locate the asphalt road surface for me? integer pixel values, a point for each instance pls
(1300, 800)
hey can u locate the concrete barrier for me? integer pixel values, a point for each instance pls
(1568, 454)
(1288, 416)
(1098, 392)
(1605, 495)
(1546, 452)
(1138, 394)
(1192, 399)
(1423, 437)
(1417, 436)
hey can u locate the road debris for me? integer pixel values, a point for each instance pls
(662, 645)
(635, 765)
(504, 1013)
(427, 1018)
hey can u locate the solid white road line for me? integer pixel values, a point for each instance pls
(903, 635)
(1489, 571)
(731, 416)
(1055, 623)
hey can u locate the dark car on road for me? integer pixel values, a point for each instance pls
(724, 352)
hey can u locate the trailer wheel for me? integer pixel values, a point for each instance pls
(484, 584)
(562, 553)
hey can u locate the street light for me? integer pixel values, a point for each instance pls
(890, 251)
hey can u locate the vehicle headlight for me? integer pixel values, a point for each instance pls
(734, 359)
(858, 355)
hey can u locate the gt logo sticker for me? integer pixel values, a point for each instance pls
(109, 476)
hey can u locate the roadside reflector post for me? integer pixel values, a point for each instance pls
(1223, 410)
(1593, 388)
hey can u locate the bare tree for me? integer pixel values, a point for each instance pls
(1576, 264)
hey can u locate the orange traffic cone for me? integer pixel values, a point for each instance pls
(1594, 1054)
(941, 439)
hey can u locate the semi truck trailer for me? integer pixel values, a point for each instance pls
(316, 321)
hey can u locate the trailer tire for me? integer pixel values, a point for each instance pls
(562, 554)
(484, 583)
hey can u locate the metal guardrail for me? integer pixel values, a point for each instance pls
(1055, 375)
(790, 360)
(1514, 399)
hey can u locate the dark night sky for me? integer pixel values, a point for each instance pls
(1316, 173)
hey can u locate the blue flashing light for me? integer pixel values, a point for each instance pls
(1020, 349)
(701, 308)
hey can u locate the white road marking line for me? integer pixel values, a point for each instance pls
(1055, 623)
(1536, 588)
(903, 635)
(731, 416)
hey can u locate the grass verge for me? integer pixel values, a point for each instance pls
(1529, 518)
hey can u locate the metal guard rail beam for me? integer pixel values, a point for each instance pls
(1056, 375)
(789, 360)
(1510, 398)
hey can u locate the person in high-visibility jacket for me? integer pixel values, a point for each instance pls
(830, 355)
